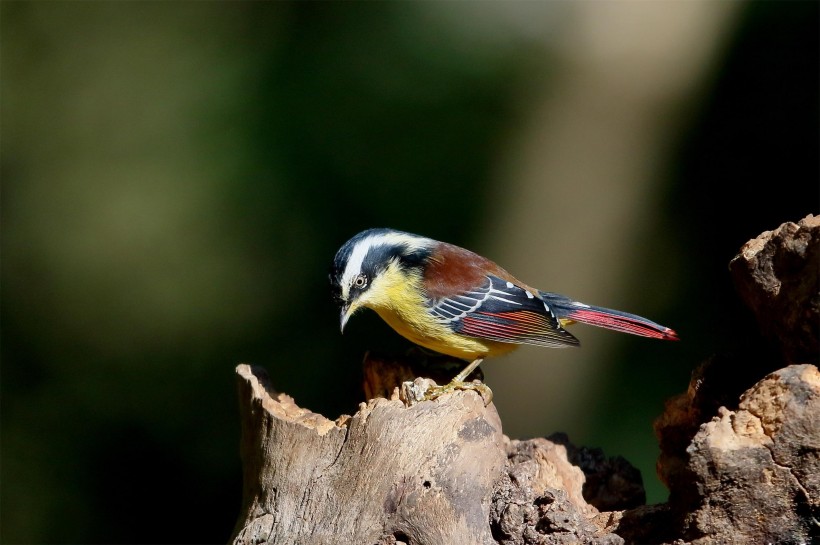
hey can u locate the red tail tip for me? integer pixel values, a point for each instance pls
(670, 335)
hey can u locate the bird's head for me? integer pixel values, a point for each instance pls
(368, 269)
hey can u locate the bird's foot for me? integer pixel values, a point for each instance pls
(479, 387)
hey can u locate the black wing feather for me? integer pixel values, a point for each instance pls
(504, 312)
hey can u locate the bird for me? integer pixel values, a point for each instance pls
(455, 302)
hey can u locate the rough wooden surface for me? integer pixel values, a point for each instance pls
(751, 465)
(400, 471)
(390, 473)
(777, 274)
(750, 475)
(740, 448)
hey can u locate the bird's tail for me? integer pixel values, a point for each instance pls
(565, 309)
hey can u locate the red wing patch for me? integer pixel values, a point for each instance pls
(520, 327)
(504, 312)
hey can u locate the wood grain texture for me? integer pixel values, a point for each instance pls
(422, 473)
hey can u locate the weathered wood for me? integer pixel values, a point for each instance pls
(740, 449)
(751, 474)
(422, 473)
(401, 471)
(777, 275)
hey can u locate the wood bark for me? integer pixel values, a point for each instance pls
(393, 471)
(740, 449)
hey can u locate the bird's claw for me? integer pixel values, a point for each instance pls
(479, 387)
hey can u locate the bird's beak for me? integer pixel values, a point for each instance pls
(347, 312)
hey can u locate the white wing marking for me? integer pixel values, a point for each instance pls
(457, 307)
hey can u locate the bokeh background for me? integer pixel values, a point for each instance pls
(176, 177)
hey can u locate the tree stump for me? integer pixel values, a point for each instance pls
(392, 472)
(400, 471)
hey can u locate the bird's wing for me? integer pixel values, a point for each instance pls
(501, 311)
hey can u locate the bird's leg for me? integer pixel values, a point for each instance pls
(467, 370)
(458, 384)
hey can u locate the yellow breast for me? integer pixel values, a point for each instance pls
(398, 298)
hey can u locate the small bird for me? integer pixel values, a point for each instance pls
(455, 302)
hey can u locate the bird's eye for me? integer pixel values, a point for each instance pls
(360, 281)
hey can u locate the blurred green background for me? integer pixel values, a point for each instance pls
(176, 177)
